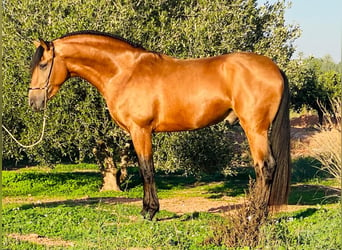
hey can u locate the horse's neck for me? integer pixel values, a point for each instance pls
(96, 62)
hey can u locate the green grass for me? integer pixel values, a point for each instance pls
(312, 228)
(106, 226)
(65, 203)
(72, 181)
(49, 184)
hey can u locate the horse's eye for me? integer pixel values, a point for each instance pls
(42, 66)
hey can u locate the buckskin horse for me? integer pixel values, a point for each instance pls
(148, 92)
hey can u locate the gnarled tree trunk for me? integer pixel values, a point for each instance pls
(113, 176)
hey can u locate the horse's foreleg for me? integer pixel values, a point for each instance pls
(150, 201)
(143, 147)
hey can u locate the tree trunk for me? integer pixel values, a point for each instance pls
(112, 175)
(320, 116)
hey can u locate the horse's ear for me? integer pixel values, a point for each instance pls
(36, 43)
(42, 43)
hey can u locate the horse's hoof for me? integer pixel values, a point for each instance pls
(149, 214)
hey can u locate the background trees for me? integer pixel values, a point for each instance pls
(78, 118)
(314, 83)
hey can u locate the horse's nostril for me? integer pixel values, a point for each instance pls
(37, 103)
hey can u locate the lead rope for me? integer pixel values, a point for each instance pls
(44, 117)
(44, 122)
(31, 145)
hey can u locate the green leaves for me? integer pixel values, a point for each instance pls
(314, 81)
(78, 115)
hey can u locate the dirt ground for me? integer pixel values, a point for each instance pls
(41, 240)
(223, 206)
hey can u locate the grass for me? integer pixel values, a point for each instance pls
(312, 228)
(40, 182)
(64, 204)
(106, 226)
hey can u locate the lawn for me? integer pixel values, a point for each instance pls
(62, 208)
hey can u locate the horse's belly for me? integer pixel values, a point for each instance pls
(192, 116)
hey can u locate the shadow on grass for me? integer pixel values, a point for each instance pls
(82, 201)
(313, 195)
(234, 185)
(40, 183)
(231, 185)
(306, 168)
(306, 213)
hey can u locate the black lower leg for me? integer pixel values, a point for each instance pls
(150, 201)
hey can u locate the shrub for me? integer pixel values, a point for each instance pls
(243, 229)
(326, 145)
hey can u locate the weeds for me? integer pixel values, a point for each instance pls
(326, 145)
(244, 225)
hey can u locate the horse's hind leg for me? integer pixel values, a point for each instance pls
(264, 162)
(143, 147)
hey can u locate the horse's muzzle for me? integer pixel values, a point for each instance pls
(37, 102)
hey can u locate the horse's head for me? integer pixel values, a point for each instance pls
(48, 74)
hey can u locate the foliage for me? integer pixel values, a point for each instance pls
(314, 82)
(210, 150)
(78, 116)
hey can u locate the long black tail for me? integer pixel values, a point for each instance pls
(280, 145)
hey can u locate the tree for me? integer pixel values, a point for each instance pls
(190, 28)
(314, 83)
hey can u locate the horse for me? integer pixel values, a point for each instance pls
(148, 92)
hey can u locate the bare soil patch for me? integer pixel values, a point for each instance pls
(41, 240)
(303, 128)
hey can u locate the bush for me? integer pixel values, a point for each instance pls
(219, 148)
(245, 224)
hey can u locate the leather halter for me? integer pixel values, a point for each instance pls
(46, 86)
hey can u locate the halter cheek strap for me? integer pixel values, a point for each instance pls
(49, 75)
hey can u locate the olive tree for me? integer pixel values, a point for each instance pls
(79, 127)
(315, 82)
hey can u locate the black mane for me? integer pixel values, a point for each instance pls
(36, 58)
(40, 50)
(99, 33)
